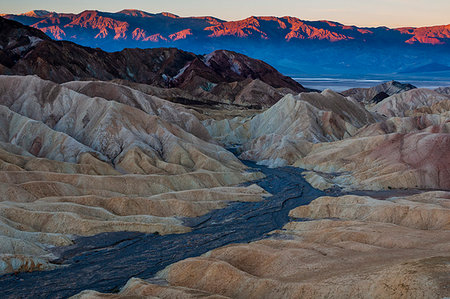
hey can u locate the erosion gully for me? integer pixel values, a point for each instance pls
(105, 262)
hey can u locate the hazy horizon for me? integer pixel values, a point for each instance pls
(396, 13)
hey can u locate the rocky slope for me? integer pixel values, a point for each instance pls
(345, 145)
(443, 90)
(400, 104)
(407, 150)
(150, 104)
(207, 105)
(286, 131)
(376, 94)
(397, 160)
(350, 246)
(219, 77)
(106, 158)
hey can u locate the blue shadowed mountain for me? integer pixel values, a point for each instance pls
(292, 45)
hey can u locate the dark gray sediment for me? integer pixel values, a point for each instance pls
(106, 261)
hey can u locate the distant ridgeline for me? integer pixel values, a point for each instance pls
(290, 44)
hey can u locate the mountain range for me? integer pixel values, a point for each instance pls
(221, 77)
(292, 45)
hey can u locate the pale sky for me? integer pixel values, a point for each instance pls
(391, 13)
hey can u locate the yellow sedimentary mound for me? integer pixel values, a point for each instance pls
(351, 246)
(38, 139)
(112, 159)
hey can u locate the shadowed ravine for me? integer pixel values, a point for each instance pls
(105, 262)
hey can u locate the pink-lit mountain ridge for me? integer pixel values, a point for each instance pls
(329, 45)
(147, 27)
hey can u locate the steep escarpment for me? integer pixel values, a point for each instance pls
(350, 246)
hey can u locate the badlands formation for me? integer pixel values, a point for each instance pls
(393, 244)
(377, 93)
(92, 145)
(87, 157)
(349, 247)
(401, 142)
(113, 160)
